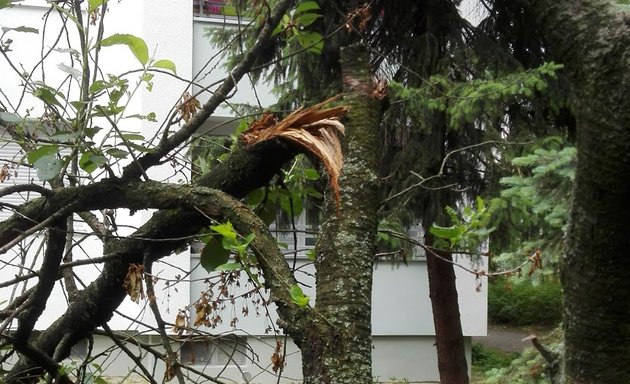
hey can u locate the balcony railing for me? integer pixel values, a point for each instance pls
(203, 8)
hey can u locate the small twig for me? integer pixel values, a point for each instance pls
(65, 211)
(433, 252)
(171, 357)
(424, 180)
(132, 356)
(131, 152)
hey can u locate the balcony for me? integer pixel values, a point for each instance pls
(203, 8)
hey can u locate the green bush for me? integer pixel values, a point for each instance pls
(528, 368)
(485, 358)
(524, 304)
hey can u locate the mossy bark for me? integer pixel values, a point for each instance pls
(592, 39)
(338, 347)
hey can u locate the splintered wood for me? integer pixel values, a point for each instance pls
(315, 129)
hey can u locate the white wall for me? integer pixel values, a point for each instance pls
(148, 20)
(208, 70)
(401, 304)
(400, 300)
(394, 357)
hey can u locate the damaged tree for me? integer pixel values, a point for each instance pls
(185, 210)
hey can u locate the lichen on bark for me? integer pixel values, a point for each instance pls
(338, 347)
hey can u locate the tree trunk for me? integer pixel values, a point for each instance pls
(592, 39)
(449, 339)
(338, 347)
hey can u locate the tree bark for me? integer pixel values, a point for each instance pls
(592, 39)
(449, 338)
(337, 347)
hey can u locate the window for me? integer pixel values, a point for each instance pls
(220, 351)
(14, 173)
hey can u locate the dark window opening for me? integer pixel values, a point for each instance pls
(220, 351)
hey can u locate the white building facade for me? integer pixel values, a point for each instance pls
(402, 323)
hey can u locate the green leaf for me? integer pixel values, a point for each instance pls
(48, 167)
(150, 117)
(307, 19)
(227, 267)
(213, 254)
(65, 136)
(311, 174)
(298, 297)
(137, 46)
(91, 131)
(306, 6)
(255, 197)
(99, 85)
(450, 233)
(89, 161)
(226, 230)
(166, 64)
(21, 28)
(311, 254)
(249, 238)
(108, 111)
(78, 104)
(93, 4)
(44, 150)
(47, 95)
(139, 148)
(279, 28)
(241, 248)
(312, 41)
(117, 153)
(132, 136)
(268, 212)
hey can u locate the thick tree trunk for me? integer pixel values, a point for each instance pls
(338, 347)
(592, 39)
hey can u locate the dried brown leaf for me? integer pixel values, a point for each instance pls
(203, 308)
(170, 373)
(4, 173)
(188, 106)
(133, 282)
(277, 360)
(180, 323)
